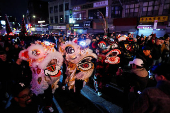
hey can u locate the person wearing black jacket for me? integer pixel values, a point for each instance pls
(24, 101)
(20, 70)
(136, 78)
(156, 51)
(146, 56)
(5, 66)
(155, 99)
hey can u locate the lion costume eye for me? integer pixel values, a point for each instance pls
(69, 50)
(36, 52)
(85, 64)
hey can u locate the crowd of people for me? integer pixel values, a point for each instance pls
(137, 63)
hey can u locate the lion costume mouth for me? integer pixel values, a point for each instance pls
(52, 71)
(112, 57)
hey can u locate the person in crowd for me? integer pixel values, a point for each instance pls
(22, 45)
(60, 41)
(24, 101)
(15, 51)
(8, 52)
(41, 38)
(129, 35)
(141, 42)
(156, 51)
(8, 43)
(94, 43)
(151, 40)
(136, 77)
(155, 99)
(20, 70)
(146, 56)
(5, 66)
(165, 49)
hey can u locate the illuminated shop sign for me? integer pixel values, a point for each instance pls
(100, 4)
(41, 21)
(87, 24)
(152, 19)
(107, 11)
(76, 24)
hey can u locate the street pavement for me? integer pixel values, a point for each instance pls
(66, 101)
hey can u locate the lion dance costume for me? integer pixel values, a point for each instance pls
(80, 65)
(45, 63)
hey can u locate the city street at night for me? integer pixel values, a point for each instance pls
(84, 56)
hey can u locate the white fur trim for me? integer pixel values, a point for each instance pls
(36, 47)
(22, 57)
(49, 57)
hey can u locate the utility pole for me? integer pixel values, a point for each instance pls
(104, 21)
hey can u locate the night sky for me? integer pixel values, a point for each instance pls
(15, 8)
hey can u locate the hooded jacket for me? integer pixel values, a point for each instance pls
(140, 78)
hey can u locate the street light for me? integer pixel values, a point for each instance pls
(33, 19)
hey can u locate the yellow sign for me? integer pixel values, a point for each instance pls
(151, 19)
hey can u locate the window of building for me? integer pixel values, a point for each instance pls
(67, 19)
(132, 10)
(56, 19)
(55, 9)
(51, 9)
(51, 20)
(66, 6)
(97, 13)
(60, 7)
(116, 11)
(150, 8)
(81, 15)
(115, 2)
(166, 7)
(61, 18)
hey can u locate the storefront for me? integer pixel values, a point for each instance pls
(153, 25)
(147, 30)
(77, 28)
(58, 29)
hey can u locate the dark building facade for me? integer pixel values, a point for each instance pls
(37, 16)
(119, 16)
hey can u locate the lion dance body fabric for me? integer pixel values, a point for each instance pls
(45, 63)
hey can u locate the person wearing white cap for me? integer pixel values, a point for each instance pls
(136, 78)
(155, 99)
(137, 62)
